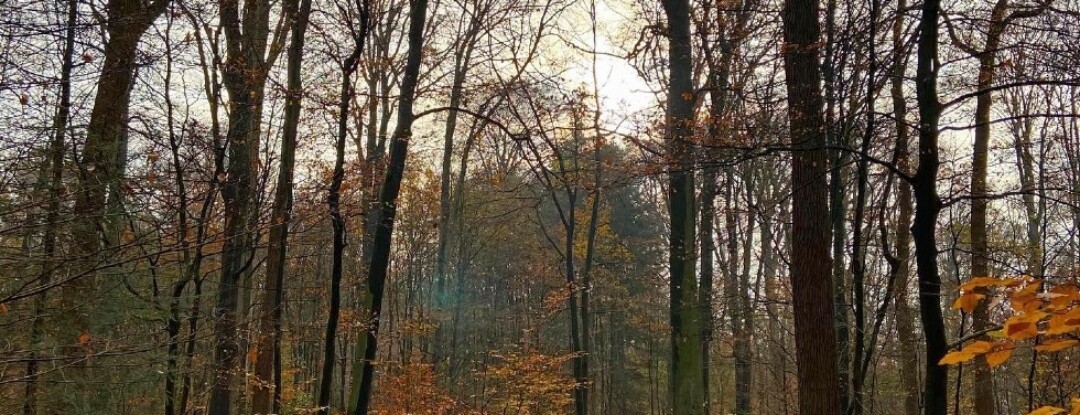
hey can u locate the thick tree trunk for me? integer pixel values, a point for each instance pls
(815, 334)
(100, 168)
(687, 389)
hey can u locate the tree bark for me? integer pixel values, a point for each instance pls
(905, 315)
(927, 208)
(812, 302)
(686, 383)
(266, 397)
(54, 176)
(387, 208)
(245, 71)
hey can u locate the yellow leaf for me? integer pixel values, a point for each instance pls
(1021, 327)
(1031, 288)
(1025, 302)
(979, 282)
(1056, 345)
(967, 302)
(1059, 324)
(996, 358)
(956, 357)
(1047, 410)
(979, 347)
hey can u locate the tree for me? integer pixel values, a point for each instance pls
(810, 264)
(927, 208)
(266, 398)
(687, 383)
(248, 61)
(380, 259)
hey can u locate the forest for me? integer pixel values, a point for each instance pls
(533, 207)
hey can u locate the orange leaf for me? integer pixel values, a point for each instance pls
(979, 347)
(1056, 345)
(3, 309)
(1059, 324)
(1019, 330)
(956, 357)
(84, 338)
(979, 282)
(1023, 326)
(967, 302)
(996, 358)
(1025, 302)
(1047, 410)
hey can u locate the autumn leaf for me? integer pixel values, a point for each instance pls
(689, 96)
(3, 309)
(979, 282)
(979, 347)
(1022, 327)
(1025, 303)
(1047, 410)
(956, 357)
(1056, 345)
(84, 338)
(253, 355)
(996, 358)
(967, 302)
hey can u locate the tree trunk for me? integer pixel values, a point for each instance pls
(858, 254)
(905, 315)
(812, 305)
(387, 207)
(687, 387)
(928, 206)
(266, 398)
(245, 72)
(54, 174)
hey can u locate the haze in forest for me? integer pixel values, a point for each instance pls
(684, 207)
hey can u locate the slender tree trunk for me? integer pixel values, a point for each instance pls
(905, 315)
(928, 206)
(858, 255)
(812, 305)
(686, 383)
(983, 377)
(55, 173)
(709, 189)
(742, 315)
(266, 396)
(462, 62)
(586, 274)
(349, 67)
(380, 259)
